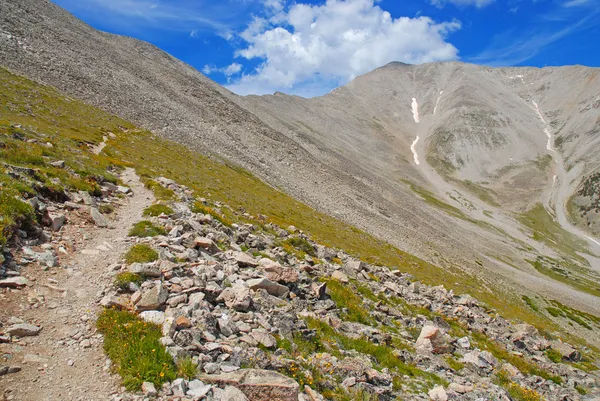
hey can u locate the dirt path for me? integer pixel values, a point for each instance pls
(66, 361)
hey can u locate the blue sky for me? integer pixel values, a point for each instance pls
(309, 47)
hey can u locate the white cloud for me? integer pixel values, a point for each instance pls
(462, 3)
(318, 47)
(576, 3)
(230, 70)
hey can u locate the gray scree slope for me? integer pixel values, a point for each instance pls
(349, 153)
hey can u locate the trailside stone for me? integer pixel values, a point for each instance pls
(197, 389)
(57, 221)
(153, 299)
(271, 287)
(153, 316)
(178, 387)
(319, 289)
(23, 330)
(275, 272)
(14, 282)
(99, 219)
(258, 384)
(460, 388)
(264, 338)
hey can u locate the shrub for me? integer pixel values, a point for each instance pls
(302, 245)
(160, 192)
(135, 349)
(141, 253)
(122, 280)
(106, 208)
(145, 229)
(186, 368)
(157, 210)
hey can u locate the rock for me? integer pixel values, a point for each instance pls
(438, 394)
(245, 260)
(271, 287)
(349, 381)
(460, 388)
(145, 269)
(257, 384)
(312, 394)
(112, 301)
(153, 299)
(206, 244)
(566, 351)
(319, 290)
(149, 389)
(236, 297)
(483, 360)
(99, 219)
(178, 387)
(431, 339)
(153, 316)
(466, 300)
(464, 342)
(23, 330)
(197, 389)
(340, 276)
(57, 221)
(264, 338)
(275, 272)
(355, 266)
(14, 282)
(58, 164)
(123, 190)
(233, 394)
(182, 322)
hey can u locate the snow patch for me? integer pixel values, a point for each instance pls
(437, 101)
(414, 151)
(415, 110)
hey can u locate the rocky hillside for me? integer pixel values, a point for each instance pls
(585, 204)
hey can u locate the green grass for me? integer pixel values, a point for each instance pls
(553, 355)
(523, 365)
(122, 280)
(530, 303)
(515, 391)
(187, 369)
(106, 208)
(345, 298)
(135, 350)
(454, 364)
(546, 230)
(145, 229)
(583, 319)
(566, 271)
(160, 192)
(299, 246)
(158, 209)
(434, 201)
(199, 207)
(141, 253)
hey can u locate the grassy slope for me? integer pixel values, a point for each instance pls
(70, 126)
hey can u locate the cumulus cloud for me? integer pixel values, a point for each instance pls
(229, 71)
(462, 3)
(310, 49)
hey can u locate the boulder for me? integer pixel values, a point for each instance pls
(99, 219)
(271, 287)
(149, 389)
(258, 384)
(245, 260)
(566, 351)
(431, 339)
(206, 244)
(145, 269)
(275, 272)
(23, 330)
(236, 297)
(153, 316)
(57, 221)
(264, 338)
(153, 299)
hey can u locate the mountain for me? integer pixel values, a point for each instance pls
(482, 201)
